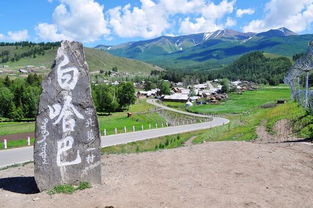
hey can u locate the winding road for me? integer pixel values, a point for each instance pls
(25, 154)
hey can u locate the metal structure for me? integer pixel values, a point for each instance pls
(298, 78)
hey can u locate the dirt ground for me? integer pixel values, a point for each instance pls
(283, 133)
(217, 174)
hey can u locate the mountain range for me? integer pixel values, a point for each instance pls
(212, 50)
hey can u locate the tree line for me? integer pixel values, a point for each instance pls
(253, 67)
(113, 98)
(19, 98)
(257, 68)
(25, 49)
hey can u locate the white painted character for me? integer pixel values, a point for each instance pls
(89, 111)
(67, 77)
(65, 113)
(89, 123)
(90, 135)
(63, 146)
(90, 158)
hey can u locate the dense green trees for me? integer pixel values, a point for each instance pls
(250, 67)
(225, 85)
(165, 88)
(105, 99)
(257, 68)
(109, 98)
(126, 94)
(6, 101)
(149, 85)
(19, 98)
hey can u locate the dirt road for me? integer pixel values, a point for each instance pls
(217, 174)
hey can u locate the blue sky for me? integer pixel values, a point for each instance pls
(116, 21)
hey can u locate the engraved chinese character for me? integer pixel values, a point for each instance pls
(90, 158)
(90, 135)
(89, 123)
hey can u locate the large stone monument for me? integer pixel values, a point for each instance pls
(67, 146)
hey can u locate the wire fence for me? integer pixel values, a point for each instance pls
(299, 79)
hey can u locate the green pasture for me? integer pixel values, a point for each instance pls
(7, 128)
(238, 103)
(176, 105)
(242, 127)
(141, 111)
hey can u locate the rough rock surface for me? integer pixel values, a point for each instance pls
(67, 146)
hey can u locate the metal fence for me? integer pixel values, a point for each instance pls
(298, 78)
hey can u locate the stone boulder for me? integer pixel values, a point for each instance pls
(67, 145)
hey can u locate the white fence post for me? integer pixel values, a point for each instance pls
(149, 126)
(115, 130)
(5, 143)
(28, 141)
(156, 125)
(104, 132)
(166, 124)
(162, 125)
(134, 129)
(125, 129)
(142, 127)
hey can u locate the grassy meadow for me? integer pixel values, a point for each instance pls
(239, 103)
(245, 114)
(141, 116)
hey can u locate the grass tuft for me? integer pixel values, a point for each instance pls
(69, 189)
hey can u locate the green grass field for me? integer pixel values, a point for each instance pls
(242, 127)
(17, 143)
(176, 105)
(244, 113)
(245, 102)
(141, 116)
(7, 128)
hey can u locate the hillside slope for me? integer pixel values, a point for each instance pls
(210, 50)
(97, 60)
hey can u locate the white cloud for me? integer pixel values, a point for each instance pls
(181, 6)
(284, 13)
(208, 21)
(230, 22)
(81, 20)
(153, 18)
(15, 36)
(49, 32)
(241, 12)
(148, 21)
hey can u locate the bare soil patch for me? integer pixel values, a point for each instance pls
(282, 133)
(217, 174)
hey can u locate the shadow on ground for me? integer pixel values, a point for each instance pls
(300, 140)
(21, 185)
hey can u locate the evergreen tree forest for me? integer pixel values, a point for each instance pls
(257, 68)
(19, 98)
